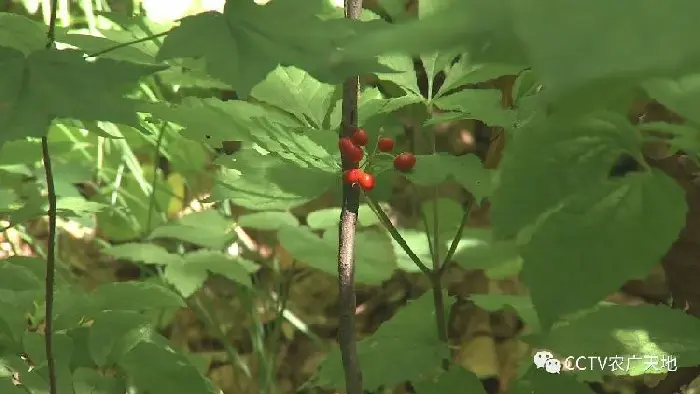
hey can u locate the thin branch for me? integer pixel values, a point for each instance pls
(458, 237)
(347, 302)
(51, 250)
(424, 219)
(202, 308)
(126, 44)
(154, 178)
(396, 236)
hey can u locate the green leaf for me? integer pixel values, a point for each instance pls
(285, 185)
(404, 75)
(295, 91)
(456, 379)
(142, 252)
(158, 369)
(254, 39)
(480, 104)
(34, 89)
(374, 261)
(466, 25)
(373, 105)
(115, 333)
(207, 229)
(93, 44)
(478, 250)
(307, 148)
(86, 380)
(189, 276)
(583, 247)
(404, 348)
(537, 381)
(18, 278)
(237, 270)
(77, 207)
(35, 347)
(467, 170)
(13, 321)
(555, 42)
(551, 40)
(465, 72)
(7, 384)
(21, 33)
(135, 296)
(450, 215)
(29, 151)
(636, 333)
(330, 217)
(269, 221)
(213, 121)
(521, 304)
(580, 154)
(681, 95)
(434, 63)
(185, 278)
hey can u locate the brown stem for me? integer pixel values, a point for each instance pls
(50, 267)
(51, 250)
(346, 241)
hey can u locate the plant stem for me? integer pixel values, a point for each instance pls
(154, 179)
(396, 236)
(440, 318)
(202, 309)
(456, 239)
(51, 249)
(126, 44)
(346, 237)
(50, 265)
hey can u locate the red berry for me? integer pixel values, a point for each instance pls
(350, 151)
(385, 144)
(366, 181)
(359, 137)
(405, 161)
(352, 176)
(346, 145)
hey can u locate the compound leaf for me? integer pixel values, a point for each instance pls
(34, 90)
(480, 104)
(467, 170)
(580, 153)
(142, 252)
(21, 33)
(295, 91)
(156, 368)
(252, 40)
(456, 379)
(206, 229)
(638, 334)
(114, 333)
(584, 246)
(285, 184)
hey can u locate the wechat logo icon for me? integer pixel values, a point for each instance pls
(546, 360)
(541, 358)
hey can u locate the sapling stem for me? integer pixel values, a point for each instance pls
(51, 249)
(347, 302)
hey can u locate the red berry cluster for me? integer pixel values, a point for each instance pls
(351, 149)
